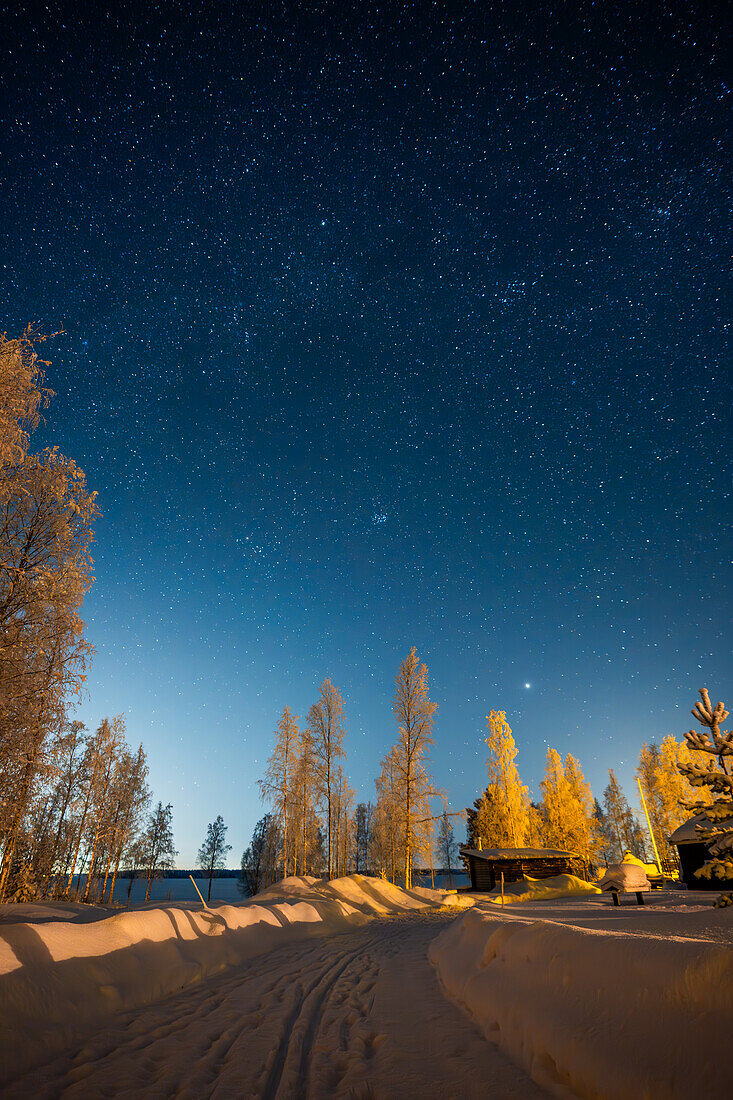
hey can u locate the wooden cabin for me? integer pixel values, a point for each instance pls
(693, 852)
(486, 865)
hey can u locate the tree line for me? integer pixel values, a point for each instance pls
(567, 816)
(314, 825)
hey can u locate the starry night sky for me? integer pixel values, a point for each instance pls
(386, 325)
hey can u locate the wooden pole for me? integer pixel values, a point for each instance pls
(651, 831)
(502, 889)
(199, 893)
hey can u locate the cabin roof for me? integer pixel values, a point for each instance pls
(498, 854)
(687, 833)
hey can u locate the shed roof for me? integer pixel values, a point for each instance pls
(497, 854)
(686, 833)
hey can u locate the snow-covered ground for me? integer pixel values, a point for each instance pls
(596, 1001)
(355, 1011)
(325, 990)
(60, 979)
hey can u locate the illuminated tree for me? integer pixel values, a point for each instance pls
(554, 801)
(129, 801)
(389, 820)
(414, 713)
(46, 515)
(583, 835)
(94, 776)
(343, 824)
(666, 789)
(306, 830)
(69, 802)
(22, 395)
(501, 819)
(279, 788)
(68, 762)
(108, 745)
(326, 732)
(567, 810)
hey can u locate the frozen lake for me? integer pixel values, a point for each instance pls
(225, 890)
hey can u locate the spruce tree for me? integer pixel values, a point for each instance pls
(717, 780)
(621, 831)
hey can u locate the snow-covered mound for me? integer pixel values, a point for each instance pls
(59, 980)
(625, 876)
(543, 889)
(595, 1014)
(371, 896)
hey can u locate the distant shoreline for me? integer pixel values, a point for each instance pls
(235, 873)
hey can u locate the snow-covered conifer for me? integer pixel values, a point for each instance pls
(715, 778)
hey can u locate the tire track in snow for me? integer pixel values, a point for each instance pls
(356, 1015)
(135, 1034)
(291, 1069)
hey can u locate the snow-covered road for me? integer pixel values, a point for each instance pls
(359, 1014)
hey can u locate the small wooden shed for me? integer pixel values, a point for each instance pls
(486, 865)
(693, 852)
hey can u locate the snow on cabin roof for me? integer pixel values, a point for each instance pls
(516, 853)
(687, 832)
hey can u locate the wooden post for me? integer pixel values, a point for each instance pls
(651, 831)
(502, 889)
(199, 893)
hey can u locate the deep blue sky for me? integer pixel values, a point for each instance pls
(401, 326)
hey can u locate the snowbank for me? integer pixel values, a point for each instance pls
(59, 980)
(630, 874)
(625, 876)
(543, 889)
(595, 1014)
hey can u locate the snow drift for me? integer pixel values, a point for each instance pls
(543, 889)
(595, 1014)
(58, 981)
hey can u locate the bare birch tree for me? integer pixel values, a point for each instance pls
(278, 788)
(326, 729)
(414, 713)
(158, 844)
(213, 851)
(46, 516)
(389, 820)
